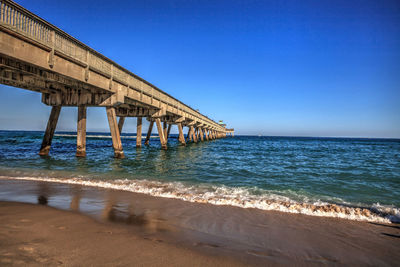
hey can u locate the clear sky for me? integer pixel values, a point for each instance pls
(304, 68)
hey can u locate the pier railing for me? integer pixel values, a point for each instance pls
(21, 20)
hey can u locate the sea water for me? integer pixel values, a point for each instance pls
(349, 178)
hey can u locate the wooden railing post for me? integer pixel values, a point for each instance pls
(53, 43)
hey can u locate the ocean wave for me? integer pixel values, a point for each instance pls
(239, 197)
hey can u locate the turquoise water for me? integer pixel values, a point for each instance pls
(345, 171)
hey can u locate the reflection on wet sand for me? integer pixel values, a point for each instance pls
(126, 212)
(43, 193)
(42, 200)
(75, 200)
(114, 210)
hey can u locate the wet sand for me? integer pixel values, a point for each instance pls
(94, 226)
(40, 235)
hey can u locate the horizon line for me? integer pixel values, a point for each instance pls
(294, 136)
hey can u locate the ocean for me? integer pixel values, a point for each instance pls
(349, 178)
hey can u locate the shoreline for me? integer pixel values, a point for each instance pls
(251, 236)
(376, 214)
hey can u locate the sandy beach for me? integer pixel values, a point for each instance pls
(40, 235)
(76, 225)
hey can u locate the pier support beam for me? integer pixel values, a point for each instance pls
(146, 142)
(205, 133)
(181, 136)
(139, 132)
(121, 124)
(193, 133)
(168, 131)
(189, 134)
(51, 127)
(201, 134)
(81, 132)
(165, 126)
(161, 134)
(115, 135)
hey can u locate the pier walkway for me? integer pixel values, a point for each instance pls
(35, 55)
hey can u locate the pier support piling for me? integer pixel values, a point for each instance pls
(81, 132)
(161, 134)
(115, 135)
(146, 142)
(50, 129)
(193, 134)
(189, 134)
(181, 136)
(121, 124)
(201, 134)
(168, 131)
(139, 132)
(165, 126)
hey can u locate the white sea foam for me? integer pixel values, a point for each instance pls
(239, 197)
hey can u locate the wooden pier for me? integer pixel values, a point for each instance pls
(35, 55)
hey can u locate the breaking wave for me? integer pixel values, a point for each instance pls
(239, 197)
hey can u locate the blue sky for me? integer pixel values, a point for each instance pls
(304, 68)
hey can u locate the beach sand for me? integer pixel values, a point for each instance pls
(77, 225)
(40, 235)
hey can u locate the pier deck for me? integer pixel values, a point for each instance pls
(35, 55)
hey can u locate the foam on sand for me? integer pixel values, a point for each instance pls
(239, 197)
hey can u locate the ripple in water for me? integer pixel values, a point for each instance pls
(356, 179)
